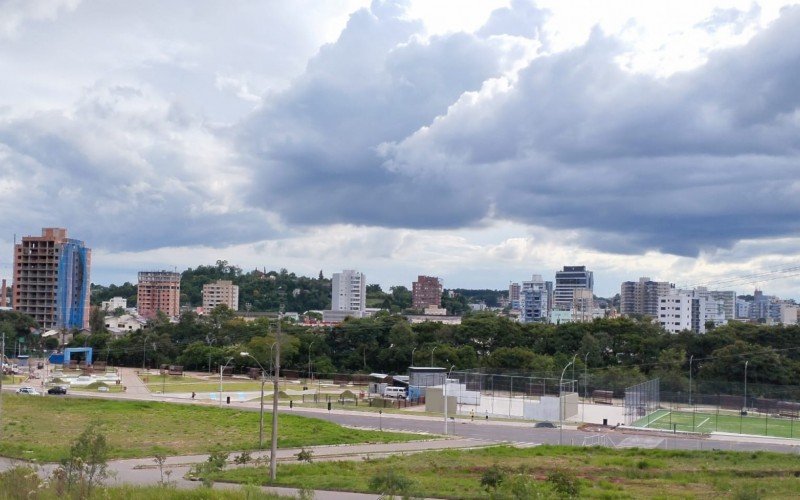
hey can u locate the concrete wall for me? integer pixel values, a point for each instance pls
(547, 408)
(433, 401)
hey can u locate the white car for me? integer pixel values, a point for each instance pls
(28, 390)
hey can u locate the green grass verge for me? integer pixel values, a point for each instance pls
(713, 422)
(599, 472)
(42, 428)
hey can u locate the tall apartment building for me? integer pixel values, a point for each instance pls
(689, 310)
(535, 297)
(220, 292)
(513, 295)
(51, 279)
(641, 297)
(426, 292)
(568, 280)
(158, 291)
(349, 291)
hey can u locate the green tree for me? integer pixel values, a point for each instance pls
(87, 464)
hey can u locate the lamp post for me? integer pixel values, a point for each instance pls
(691, 358)
(745, 385)
(433, 351)
(585, 384)
(444, 397)
(273, 453)
(561, 406)
(412, 356)
(221, 368)
(261, 409)
(310, 375)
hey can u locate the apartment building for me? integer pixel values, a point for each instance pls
(514, 291)
(569, 279)
(348, 296)
(220, 292)
(641, 297)
(689, 310)
(51, 279)
(426, 292)
(535, 297)
(159, 291)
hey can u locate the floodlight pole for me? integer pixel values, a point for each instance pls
(561, 406)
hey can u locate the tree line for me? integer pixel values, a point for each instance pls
(615, 353)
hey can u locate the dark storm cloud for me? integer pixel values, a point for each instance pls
(315, 145)
(697, 160)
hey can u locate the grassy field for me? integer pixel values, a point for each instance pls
(42, 428)
(545, 471)
(712, 422)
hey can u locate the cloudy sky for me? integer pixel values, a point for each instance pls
(478, 141)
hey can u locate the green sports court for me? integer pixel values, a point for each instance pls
(720, 421)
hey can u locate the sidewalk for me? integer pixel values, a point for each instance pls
(131, 381)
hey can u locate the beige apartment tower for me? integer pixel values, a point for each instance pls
(159, 291)
(220, 292)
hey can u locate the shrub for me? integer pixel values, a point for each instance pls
(389, 482)
(493, 477)
(564, 483)
(305, 455)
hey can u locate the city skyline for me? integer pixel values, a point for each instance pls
(268, 144)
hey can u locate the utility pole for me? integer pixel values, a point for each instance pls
(2, 373)
(273, 450)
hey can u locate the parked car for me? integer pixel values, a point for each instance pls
(59, 389)
(544, 425)
(28, 390)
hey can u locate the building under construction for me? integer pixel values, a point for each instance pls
(51, 280)
(158, 291)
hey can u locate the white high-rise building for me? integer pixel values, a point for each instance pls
(690, 310)
(535, 297)
(349, 291)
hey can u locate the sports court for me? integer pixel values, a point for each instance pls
(720, 421)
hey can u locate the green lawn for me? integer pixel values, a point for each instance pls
(598, 472)
(42, 428)
(723, 422)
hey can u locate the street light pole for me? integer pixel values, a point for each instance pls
(561, 406)
(691, 358)
(273, 449)
(261, 409)
(412, 356)
(433, 351)
(221, 368)
(310, 375)
(745, 385)
(444, 397)
(585, 385)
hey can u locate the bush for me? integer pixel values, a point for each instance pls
(564, 483)
(493, 477)
(20, 483)
(389, 482)
(305, 455)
